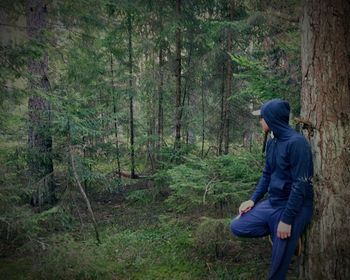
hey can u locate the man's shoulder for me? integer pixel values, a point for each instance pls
(298, 140)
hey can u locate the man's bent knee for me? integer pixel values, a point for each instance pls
(236, 227)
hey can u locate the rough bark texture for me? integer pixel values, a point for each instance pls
(326, 104)
(39, 137)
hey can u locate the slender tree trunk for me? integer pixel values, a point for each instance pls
(39, 136)
(178, 78)
(222, 123)
(131, 98)
(228, 82)
(160, 117)
(160, 100)
(203, 118)
(186, 95)
(115, 120)
(150, 146)
(151, 116)
(326, 105)
(188, 120)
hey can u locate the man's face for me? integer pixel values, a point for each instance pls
(264, 125)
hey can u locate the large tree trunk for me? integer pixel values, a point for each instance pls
(178, 78)
(39, 137)
(131, 98)
(228, 81)
(326, 105)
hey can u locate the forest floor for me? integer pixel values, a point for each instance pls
(141, 239)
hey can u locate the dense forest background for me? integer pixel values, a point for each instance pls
(127, 139)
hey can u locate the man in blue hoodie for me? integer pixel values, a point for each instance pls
(287, 180)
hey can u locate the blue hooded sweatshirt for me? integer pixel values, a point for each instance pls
(288, 169)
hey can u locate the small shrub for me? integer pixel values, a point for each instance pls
(70, 259)
(213, 239)
(140, 197)
(217, 183)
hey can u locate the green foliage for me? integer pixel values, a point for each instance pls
(172, 157)
(25, 228)
(68, 259)
(213, 239)
(141, 197)
(243, 166)
(123, 254)
(262, 82)
(213, 183)
(88, 71)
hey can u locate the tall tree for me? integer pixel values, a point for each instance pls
(39, 137)
(203, 117)
(178, 77)
(326, 107)
(115, 119)
(131, 97)
(222, 119)
(160, 96)
(228, 82)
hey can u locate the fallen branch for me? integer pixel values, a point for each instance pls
(128, 175)
(84, 194)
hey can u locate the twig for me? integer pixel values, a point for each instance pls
(207, 188)
(84, 194)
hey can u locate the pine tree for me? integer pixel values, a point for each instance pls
(39, 135)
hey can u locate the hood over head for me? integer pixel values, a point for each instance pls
(276, 114)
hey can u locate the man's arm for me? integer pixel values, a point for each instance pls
(302, 172)
(264, 181)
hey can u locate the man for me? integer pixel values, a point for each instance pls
(287, 180)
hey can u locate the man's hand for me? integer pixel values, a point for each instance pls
(246, 206)
(283, 230)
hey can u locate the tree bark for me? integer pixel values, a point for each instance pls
(160, 100)
(115, 119)
(178, 78)
(228, 82)
(39, 136)
(203, 118)
(326, 105)
(186, 94)
(220, 134)
(131, 98)
(161, 63)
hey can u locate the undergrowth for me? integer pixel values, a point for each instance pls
(177, 228)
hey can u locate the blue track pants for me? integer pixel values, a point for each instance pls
(263, 220)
